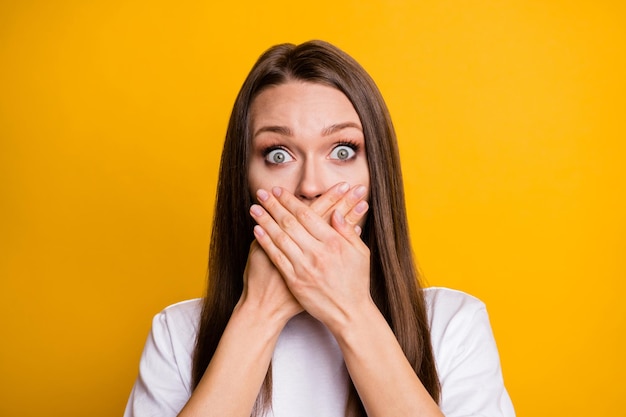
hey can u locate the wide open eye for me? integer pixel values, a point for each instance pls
(278, 156)
(342, 153)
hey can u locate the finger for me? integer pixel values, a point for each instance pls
(276, 256)
(315, 225)
(284, 232)
(348, 202)
(327, 200)
(348, 231)
(357, 213)
(289, 217)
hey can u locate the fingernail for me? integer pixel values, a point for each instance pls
(256, 210)
(360, 191)
(361, 207)
(357, 230)
(262, 195)
(258, 231)
(277, 191)
(343, 187)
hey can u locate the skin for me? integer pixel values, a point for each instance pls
(309, 126)
(308, 256)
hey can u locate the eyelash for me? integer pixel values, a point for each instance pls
(271, 148)
(351, 144)
(355, 146)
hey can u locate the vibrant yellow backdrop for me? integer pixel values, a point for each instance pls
(510, 116)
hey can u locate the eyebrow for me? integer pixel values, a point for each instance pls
(285, 131)
(340, 126)
(281, 130)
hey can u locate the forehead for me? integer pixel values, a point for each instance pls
(302, 103)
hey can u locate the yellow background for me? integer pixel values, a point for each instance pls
(510, 116)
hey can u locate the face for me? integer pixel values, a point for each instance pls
(306, 137)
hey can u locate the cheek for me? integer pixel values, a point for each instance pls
(262, 176)
(360, 176)
(255, 177)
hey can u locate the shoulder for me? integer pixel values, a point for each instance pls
(466, 355)
(444, 303)
(164, 382)
(174, 331)
(453, 316)
(172, 339)
(180, 321)
(188, 310)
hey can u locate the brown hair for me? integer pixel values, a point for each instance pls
(394, 281)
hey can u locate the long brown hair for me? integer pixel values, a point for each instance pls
(394, 281)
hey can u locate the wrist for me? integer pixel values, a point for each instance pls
(354, 323)
(259, 316)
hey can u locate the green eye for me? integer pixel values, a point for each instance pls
(278, 156)
(342, 153)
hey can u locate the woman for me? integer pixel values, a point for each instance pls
(314, 307)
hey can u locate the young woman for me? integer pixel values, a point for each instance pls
(314, 307)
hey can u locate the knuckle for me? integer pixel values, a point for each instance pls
(334, 197)
(351, 199)
(353, 218)
(296, 286)
(334, 245)
(280, 259)
(342, 206)
(287, 222)
(318, 263)
(349, 219)
(282, 239)
(303, 214)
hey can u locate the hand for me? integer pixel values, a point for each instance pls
(264, 288)
(351, 205)
(263, 285)
(326, 267)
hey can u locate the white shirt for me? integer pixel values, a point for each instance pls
(308, 372)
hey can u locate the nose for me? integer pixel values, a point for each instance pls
(311, 183)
